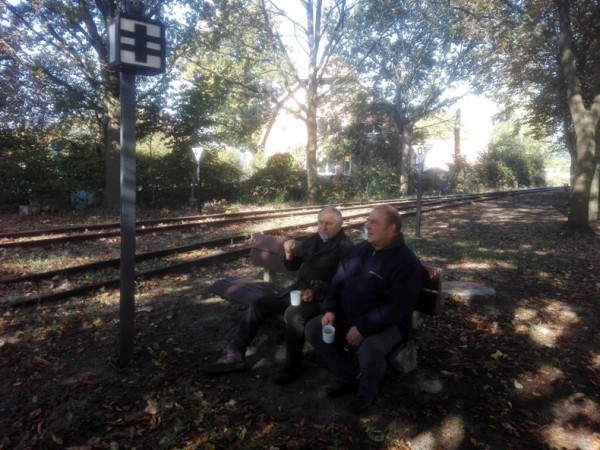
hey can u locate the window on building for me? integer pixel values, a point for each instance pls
(347, 166)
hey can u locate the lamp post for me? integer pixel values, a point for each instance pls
(198, 151)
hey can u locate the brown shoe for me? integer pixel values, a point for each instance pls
(229, 361)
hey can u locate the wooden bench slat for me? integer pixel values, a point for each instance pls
(267, 252)
(245, 290)
(430, 297)
(403, 356)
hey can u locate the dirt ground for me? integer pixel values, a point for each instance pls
(518, 371)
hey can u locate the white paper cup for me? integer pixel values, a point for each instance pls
(295, 297)
(328, 334)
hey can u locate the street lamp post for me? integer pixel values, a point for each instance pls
(198, 156)
(421, 151)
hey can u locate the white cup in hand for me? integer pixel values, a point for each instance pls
(295, 298)
(328, 334)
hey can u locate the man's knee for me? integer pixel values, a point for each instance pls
(313, 329)
(292, 315)
(374, 349)
(370, 353)
(298, 315)
(266, 307)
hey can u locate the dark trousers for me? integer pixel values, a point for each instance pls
(367, 363)
(295, 319)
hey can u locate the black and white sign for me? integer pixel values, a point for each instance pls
(421, 153)
(136, 45)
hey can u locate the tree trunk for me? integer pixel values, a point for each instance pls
(111, 124)
(406, 186)
(594, 198)
(584, 122)
(311, 154)
(112, 141)
(570, 144)
(313, 21)
(404, 130)
(457, 142)
(585, 166)
(595, 188)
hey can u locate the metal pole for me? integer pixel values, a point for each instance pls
(128, 194)
(193, 201)
(199, 187)
(197, 151)
(419, 199)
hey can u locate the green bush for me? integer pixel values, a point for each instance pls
(496, 174)
(80, 166)
(337, 189)
(467, 180)
(281, 180)
(165, 178)
(513, 159)
(221, 177)
(29, 174)
(381, 182)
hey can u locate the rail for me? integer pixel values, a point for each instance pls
(355, 220)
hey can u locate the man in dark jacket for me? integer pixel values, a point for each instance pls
(370, 303)
(316, 260)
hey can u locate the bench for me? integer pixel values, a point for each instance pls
(403, 357)
(266, 252)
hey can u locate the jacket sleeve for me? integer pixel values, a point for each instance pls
(397, 303)
(332, 300)
(293, 264)
(299, 256)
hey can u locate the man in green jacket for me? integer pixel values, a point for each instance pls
(316, 260)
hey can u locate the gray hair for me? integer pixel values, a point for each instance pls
(334, 210)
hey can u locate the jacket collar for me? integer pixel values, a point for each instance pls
(397, 242)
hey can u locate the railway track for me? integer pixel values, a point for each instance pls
(57, 284)
(53, 236)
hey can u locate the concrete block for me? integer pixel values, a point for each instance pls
(404, 358)
(468, 290)
(475, 295)
(26, 210)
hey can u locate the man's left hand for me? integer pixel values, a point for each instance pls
(353, 337)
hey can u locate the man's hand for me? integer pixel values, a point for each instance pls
(353, 337)
(289, 248)
(328, 318)
(307, 295)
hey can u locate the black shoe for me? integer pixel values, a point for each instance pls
(360, 404)
(341, 389)
(286, 376)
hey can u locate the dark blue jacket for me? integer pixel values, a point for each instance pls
(374, 289)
